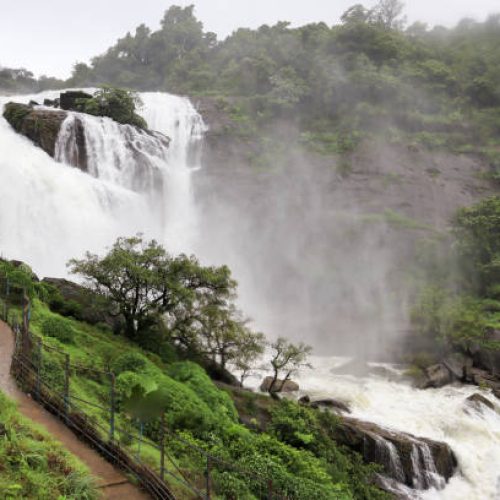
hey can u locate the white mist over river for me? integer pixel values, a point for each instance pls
(51, 212)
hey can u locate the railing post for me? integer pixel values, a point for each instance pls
(162, 444)
(112, 407)
(207, 477)
(270, 489)
(39, 369)
(66, 385)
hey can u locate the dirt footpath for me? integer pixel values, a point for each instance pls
(112, 482)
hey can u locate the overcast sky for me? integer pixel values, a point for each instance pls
(49, 36)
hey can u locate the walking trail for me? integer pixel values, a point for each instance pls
(112, 482)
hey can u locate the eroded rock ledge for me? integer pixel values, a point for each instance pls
(39, 125)
(417, 462)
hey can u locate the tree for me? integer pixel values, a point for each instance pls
(143, 281)
(226, 338)
(477, 233)
(250, 348)
(118, 104)
(355, 14)
(286, 359)
(388, 14)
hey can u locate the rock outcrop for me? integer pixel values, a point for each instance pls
(279, 386)
(419, 463)
(40, 125)
(71, 99)
(478, 401)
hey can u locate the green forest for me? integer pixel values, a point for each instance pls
(368, 75)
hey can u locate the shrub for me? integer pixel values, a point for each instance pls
(58, 328)
(118, 104)
(129, 362)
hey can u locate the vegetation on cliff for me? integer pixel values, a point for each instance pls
(459, 306)
(33, 465)
(116, 103)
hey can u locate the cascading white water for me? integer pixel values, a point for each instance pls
(50, 212)
(438, 414)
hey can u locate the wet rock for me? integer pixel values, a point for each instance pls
(33, 103)
(279, 386)
(305, 400)
(417, 462)
(478, 401)
(458, 364)
(332, 404)
(484, 378)
(436, 376)
(39, 125)
(486, 359)
(49, 102)
(70, 100)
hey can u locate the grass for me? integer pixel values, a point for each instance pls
(33, 465)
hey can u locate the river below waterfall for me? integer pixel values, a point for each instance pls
(438, 414)
(51, 212)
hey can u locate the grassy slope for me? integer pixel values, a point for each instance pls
(196, 410)
(32, 465)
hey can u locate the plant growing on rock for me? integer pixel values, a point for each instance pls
(286, 359)
(118, 104)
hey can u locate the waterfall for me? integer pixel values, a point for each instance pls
(120, 154)
(134, 181)
(389, 456)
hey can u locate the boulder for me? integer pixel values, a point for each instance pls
(484, 378)
(81, 303)
(486, 359)
(69, 101)
(478, 401)
(458, 364)
(305, 400)
(279, 386)
(40, 125)
(333, 404)
(436, 376)
(417, 462)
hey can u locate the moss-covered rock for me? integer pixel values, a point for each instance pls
(39, 125)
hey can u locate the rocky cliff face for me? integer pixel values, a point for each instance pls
(419, 463)
(40, 125)
(331, 239)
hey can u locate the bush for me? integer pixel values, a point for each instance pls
(193, 376)
(129, 362)
(58, 328)
(117, 104)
